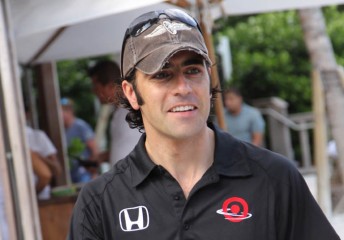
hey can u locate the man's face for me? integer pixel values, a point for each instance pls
(176, 99)
(233, 102)
(67, 115)
(105, 93)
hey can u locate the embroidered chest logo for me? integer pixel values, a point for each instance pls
(235, 209)
(134, 219)
(171, 27)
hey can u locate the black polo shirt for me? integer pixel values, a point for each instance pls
(249, 193)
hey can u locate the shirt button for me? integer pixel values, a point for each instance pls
(186, 226)
(176, 197)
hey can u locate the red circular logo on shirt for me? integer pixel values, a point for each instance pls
(235, 209)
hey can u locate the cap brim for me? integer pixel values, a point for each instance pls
(157, 59)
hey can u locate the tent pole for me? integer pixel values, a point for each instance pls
(13, 123)
(47, 45)
(215, 82)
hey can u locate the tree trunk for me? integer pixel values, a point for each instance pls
(323, 60)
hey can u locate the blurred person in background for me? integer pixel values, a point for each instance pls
(44, 158)
(243, 121)
(82, 147)
(105, 76)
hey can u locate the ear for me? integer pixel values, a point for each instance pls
(130, 94)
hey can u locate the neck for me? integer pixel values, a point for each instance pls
(69, 122)
(186, 160)
(236, 111)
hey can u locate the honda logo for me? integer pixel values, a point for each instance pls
(134, 219)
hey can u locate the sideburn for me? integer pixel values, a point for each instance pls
(139, 98)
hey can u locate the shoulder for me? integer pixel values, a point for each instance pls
(83, 127)
(251, 110)
(234, 156)
(81, 122)
(94, 191)
(278, 168)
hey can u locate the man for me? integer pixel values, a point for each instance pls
(105, 77)
(77, 128)
(44, 160)
(243, 121)
(45, 163)
(80, 136)
(187, 179)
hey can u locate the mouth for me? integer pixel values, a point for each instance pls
(186, 108)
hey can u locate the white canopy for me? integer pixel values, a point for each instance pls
(89, 27)
(82, 28)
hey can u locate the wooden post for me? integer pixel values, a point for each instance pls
(13, 138)
(5, 191)
(215, 82)
(306, 152)
(279, 132)
(51, 116)
(320, 143)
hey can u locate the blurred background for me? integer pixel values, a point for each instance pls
(285, 57)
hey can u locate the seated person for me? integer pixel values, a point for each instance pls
(40, 145)
(42, 172)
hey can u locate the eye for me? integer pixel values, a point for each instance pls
(161, 75)
(193, 70)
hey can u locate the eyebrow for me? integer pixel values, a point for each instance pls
(191, 61)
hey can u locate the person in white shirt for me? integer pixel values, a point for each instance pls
(105, 76)
(40, 144)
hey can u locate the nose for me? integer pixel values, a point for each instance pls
(182, 86)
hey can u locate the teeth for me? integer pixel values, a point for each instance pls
(183, 108)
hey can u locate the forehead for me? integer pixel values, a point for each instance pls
(184, 58)
(231, 95)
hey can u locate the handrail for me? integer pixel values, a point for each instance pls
(286, 121)
(300, 122)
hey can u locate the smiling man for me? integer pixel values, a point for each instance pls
(187, 179)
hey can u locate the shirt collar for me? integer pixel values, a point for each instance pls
(229, 158)
(140, 163)
(230, 155)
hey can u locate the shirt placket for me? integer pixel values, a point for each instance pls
(184, 211)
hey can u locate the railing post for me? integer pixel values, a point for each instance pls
(320, 141)
(280, 140)
(306, 152)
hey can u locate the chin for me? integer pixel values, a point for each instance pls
(184, 132)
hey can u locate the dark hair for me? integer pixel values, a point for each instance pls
(105, 71)
(233, 90)
(134, 117)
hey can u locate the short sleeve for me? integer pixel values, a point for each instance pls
(85, 222)
(87, 131)
(258, 124)
(298, 216)
(39, 142)
(46, 148)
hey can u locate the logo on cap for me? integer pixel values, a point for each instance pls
(166, 26)
(134, 219)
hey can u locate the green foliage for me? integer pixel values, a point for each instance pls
(76, 147)
(75, 84)
(335, 17)
(269, 58)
